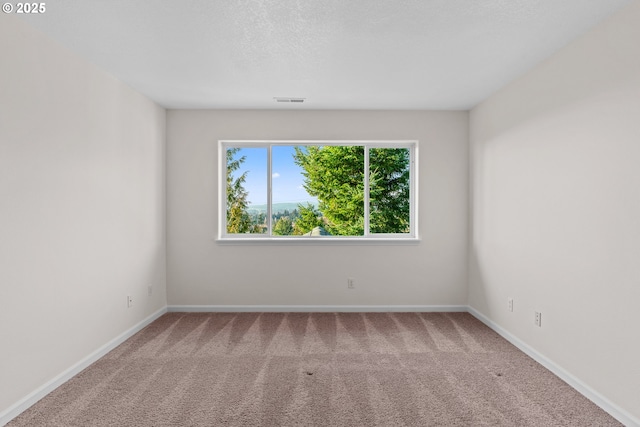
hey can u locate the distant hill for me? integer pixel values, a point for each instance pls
(277, 207)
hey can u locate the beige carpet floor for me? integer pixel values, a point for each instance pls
(315, 369)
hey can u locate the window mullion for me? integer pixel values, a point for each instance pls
(269, 195)
(412, 192)
(222, 216)
(366, 191)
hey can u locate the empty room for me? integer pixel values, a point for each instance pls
(336, 213)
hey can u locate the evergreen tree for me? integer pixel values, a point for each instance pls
(258, 222)
(389, 186)
(335, 175)
(283, 227)
(238, 219)
(308, 219)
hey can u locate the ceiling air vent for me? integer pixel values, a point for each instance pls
(283, 99)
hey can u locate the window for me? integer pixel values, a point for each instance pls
(317, 190)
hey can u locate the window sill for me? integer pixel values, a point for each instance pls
(320, 241)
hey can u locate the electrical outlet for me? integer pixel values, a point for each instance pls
(129, 301)
(510, 302)
(538, 319)
(351, 283)
(150, 290)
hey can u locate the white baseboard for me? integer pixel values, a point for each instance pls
(27, 401)
(615, 411)
(315, 308)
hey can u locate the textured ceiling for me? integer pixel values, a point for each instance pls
(339, 54)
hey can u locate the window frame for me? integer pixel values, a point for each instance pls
(367, 237)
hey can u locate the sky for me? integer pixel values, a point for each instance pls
(287, 177)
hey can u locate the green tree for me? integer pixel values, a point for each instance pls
(309, 218)
(335, 175)
(283, 227)
(238, 219)
(389, 187)
(258, 223)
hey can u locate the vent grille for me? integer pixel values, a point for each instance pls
(287, 99)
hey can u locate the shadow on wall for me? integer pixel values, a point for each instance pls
(477, 285)
(558, 75)
(156, 278)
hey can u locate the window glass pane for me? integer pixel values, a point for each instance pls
(389, 189)
(246, 190)
(294, 211)
(334, 175)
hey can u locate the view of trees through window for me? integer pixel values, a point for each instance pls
(318, 190)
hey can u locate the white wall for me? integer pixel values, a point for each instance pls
(203, 272)
(81, 209)
(556, 208)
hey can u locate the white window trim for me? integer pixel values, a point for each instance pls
(368, 238)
